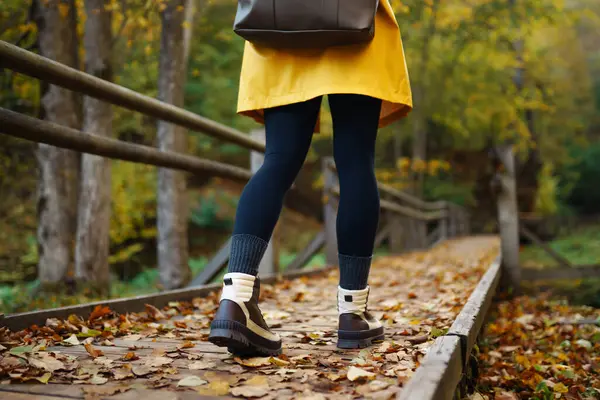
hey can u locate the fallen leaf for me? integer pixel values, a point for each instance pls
(88, 333)
(215, 388)
(132, 338)
(191, 381)
(99, 312)
(92, 351)
(202, 365)
(20, 350)
(104, 391)
(123, 372)
(158, 361)
(186, 345)
(253, 362)
(249, 391)
(72, 340)
(44, 378)
(46, 362)
(130, 356)
(279, 362)
(335, 377)
(142, 370)
(257, 380)
(355, 373)
(98, 380)
(105, 361)
(154, 312)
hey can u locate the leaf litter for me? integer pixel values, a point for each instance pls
(533, 349)
(166, 348)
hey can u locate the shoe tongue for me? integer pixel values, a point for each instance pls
(352, 301)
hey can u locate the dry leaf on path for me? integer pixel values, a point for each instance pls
(99, 312)
(157, 361)
(202, 365)
(72, 340)
(123, 372)
(92, 351)
(355, 373)
(191, 381)
(45, 361)
(253, 362)
(98, 380)
(130, 356)
(142, 370)
(215, 388)
(104, 391)
(132, 338)
(154, 312)
(249, 391)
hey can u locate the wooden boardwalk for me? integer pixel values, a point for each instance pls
(163, 354)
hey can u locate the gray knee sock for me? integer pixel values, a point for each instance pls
(354, 272)
(246, 253)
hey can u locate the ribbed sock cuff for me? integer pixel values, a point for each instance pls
(246, 253)
(354, 272)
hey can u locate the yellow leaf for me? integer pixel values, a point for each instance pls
(560, 388)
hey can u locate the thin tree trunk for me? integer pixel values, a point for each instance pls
(58, 168)
(92, 250)
(172, 213)
(419, 119)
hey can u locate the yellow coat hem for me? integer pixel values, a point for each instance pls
(400, 101)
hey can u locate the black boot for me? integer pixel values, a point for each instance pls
(239, 324)
(357, 328)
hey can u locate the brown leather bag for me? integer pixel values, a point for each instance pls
(306, 23)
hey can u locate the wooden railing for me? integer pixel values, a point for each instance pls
(408, 222)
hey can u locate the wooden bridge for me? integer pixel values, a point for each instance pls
(432, 292)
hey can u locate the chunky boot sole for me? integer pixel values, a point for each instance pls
(240, 340)
(359, 339)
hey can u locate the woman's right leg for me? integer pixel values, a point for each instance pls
(238, 324)
(355, 122)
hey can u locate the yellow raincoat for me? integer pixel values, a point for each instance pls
(274, 77)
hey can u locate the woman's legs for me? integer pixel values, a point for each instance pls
(289, 131)
(355, 123)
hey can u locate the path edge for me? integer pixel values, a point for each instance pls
(441, 370)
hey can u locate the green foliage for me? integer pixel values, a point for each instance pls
(581, 176)
(208, 212)
(546, 197)
(443, 187)
(133, 208)
(581, 248)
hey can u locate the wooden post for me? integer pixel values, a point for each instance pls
(268, 263)
(508, 218)
(329, 212)
(444, 224)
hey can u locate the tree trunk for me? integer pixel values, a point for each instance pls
(172, 202)
(58, 168)
(92, 249)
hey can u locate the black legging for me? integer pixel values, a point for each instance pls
(289, 131)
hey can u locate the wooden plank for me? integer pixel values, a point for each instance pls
(576, 272)
(214, 266)
(439, 373)
(308, 252)
(557, 257)
(441, 370)
(20, 321)
(470, 319)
